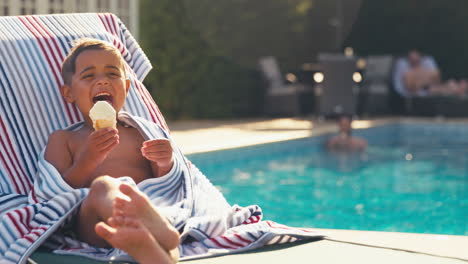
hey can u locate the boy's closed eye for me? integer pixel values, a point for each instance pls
(90, 76)
(87, 76)
(114, 75)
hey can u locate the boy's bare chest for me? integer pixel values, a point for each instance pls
(129, 147)
(126, 158)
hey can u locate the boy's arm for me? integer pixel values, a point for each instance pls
(77, 171)
(57, 152)
(59, 155)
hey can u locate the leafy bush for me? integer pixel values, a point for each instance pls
(189, 80)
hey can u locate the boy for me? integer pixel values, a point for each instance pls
(113, 213)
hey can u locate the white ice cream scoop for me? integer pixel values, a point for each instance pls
(103, 115)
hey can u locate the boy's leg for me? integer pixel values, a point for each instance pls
(139, 206)
(130, 235)
(97, 207)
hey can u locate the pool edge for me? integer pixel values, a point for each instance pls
(353, 246)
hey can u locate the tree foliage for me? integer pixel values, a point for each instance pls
(205, 52)
(245, 30)
(189, 79)
(291, 30)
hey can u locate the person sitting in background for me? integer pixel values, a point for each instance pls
(345, 141)
(418, 75)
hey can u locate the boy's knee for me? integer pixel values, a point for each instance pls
(102, 185)
(98, 204)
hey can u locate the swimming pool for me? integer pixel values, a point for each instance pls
(413, 178)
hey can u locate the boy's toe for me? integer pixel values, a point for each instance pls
(128, 190)
(117, 220)
(104, 230)
(120, 202)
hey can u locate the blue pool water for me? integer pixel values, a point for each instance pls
(413, 178)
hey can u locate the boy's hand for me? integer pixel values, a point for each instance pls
(98, 145)
(159, 151)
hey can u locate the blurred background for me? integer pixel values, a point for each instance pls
(251, 58)
(209, 51)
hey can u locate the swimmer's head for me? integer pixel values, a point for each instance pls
(344, 124)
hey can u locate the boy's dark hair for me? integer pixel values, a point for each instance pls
(81, 45)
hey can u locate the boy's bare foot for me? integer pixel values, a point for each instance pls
(139, 206)
(130, 235)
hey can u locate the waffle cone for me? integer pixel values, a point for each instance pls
(103, 123)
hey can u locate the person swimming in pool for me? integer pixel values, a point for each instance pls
(345, 141)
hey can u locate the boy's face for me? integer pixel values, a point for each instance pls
(99, 76)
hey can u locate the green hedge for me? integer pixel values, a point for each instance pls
(189, 80)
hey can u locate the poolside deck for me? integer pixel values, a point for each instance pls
(363, 247)
(202, 136)
(342, 245)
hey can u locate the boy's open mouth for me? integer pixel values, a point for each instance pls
(103, 96)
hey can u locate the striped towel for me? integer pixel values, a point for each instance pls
(34, 200)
